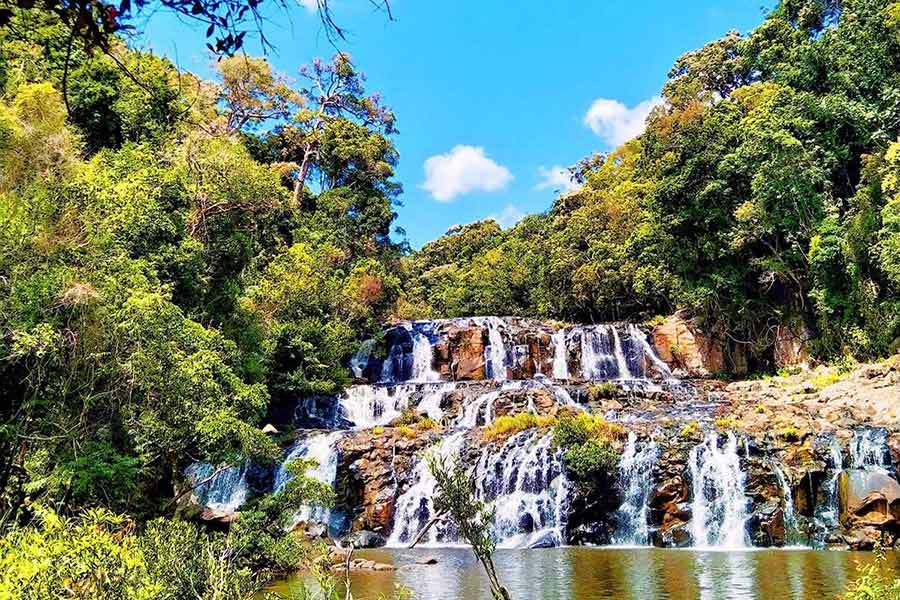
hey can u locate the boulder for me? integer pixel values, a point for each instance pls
(685, 348)
(869, 498)
(766, 525)
(790, 347)
(466, 353)
(364, 539)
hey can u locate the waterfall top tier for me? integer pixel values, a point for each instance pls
(508, 348)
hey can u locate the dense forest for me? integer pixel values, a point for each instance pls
(179, 258)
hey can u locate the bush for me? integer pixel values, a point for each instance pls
(690, 429)
(594, 457)
(872, 583)
(572, 430)
(724, 423)
(602, 391)
(510, 424)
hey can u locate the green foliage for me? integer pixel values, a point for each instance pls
(587, 443)
(874, 582)
(455, 498)
(506, 425)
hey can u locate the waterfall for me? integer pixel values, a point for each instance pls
(635, 333)
(869, 450)
(423, 358)
(621, 362)
(635, 469)
(827, 510)
(495, 353)
(791, 528)
(719, 505)
(525, 482)
(225, 492)
(322, 448)
(414, 508)
(367, 405)
(560, 355)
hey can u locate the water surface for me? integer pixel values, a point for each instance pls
(579, 573)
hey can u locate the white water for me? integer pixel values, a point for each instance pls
(868, 450)
(636, 334)
(524, 481)
(827, 509)
(225, 492)
(322, 448)
(791, 528)
(414, 508)
(635, 478)
(560, 358)
(495, 353)
(423, 359)
(719, 504)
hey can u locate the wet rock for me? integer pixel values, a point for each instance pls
(766, 525)
(364, 539)
(678, 536)
(466, 353)
(362, 564)
(428, 560)
(316, 530)
(546, 540)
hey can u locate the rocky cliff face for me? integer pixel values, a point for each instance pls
(808, 459)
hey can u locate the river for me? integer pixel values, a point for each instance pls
(581, 573)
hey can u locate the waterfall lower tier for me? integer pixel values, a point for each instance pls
(719, 504)
(221, 489)
(827, 509)
(414, 508)
(320, 447)
(791, 526)
(636, 481)
(524, 481)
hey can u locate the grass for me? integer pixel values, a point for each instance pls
(690, 429)
(724, 423)
(509, 424)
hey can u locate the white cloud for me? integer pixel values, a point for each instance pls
(509, 216)
(615, 122)
(464, 169)
(556, 178)
(309, 4)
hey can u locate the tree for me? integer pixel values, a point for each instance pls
(455, 497)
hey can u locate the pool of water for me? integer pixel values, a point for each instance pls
(579, 573)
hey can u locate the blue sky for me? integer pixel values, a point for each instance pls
(492, 97)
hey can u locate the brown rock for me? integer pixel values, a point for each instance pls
(684, 347)
(869, 498)
(466, 349)
(791, 346)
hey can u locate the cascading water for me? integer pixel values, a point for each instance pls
(223, 492)
(414, 508)
(524, 480)
(869, 450)
(635, 469)
(322, 448)
(496, 350)
(826, 513)
(791, 527)
(719, 504)
(560, 360)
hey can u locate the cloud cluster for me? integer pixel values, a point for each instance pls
(615, 122)
(462, 170)
(556, 178)
(312, 5)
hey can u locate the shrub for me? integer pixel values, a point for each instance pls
(510, 424)
(602, 391)
(572, 430)
(690, 429)
(789, 433)
(725, 423)
(593, 457)
(872, 583)
(378, 430)
(426, 423)
(407, 432)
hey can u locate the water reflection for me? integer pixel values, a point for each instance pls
(618, 573)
